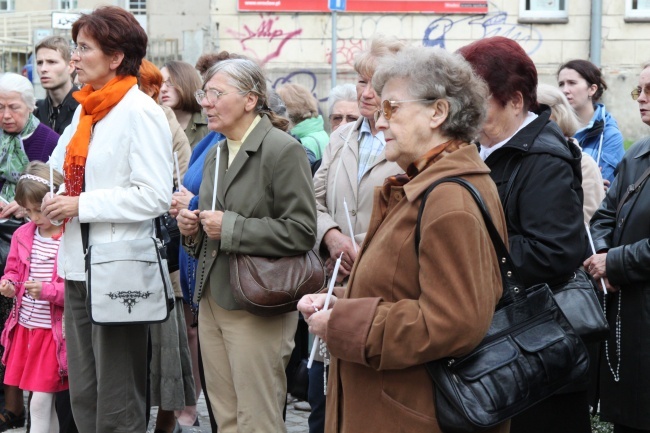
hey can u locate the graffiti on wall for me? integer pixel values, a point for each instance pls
(492, 24)
(305, 78)
(267, 31)
(346, 50)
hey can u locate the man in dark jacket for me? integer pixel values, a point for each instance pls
(57, 73)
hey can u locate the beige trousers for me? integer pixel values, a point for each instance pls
(244, 357)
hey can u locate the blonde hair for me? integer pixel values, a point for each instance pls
(301, 104)
(379, 46)
(33, 191)
(561, 111)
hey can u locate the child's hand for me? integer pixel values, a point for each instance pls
(7, 289)
(34, 288)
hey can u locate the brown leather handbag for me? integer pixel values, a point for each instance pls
(267, 286)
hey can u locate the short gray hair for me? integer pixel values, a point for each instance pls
(342, 92)
(433, 73)
(247, 76)
(12, 82)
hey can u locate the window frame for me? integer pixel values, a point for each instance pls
(11, 5)
(140, 7)
(543, 16)
(636, 15)
(73, 4)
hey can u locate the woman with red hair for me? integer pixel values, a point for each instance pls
(116, 186)
(538, 176)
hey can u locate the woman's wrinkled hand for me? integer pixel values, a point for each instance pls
(188, 222)
(596, 266)
(211, 222)
(338, 243)
(12, 209)
(310, 304)
(318, 324)
(180, 200)
(60, 207)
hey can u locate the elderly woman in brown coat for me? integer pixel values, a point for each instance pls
(399, 310)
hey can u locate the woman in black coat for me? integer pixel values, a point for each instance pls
(538, 177)
(622, 239)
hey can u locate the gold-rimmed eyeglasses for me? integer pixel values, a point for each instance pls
(636, 92)
(213, 95)
(168, 83)
(388, 107)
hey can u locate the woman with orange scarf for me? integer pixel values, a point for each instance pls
(116, 159)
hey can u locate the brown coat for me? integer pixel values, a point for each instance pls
(400, 311)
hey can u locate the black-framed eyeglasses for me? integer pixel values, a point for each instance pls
(336, 119)
(388, 107)
(213, 95)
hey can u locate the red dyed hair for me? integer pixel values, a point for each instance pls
(505, 67)
(150, 79)
(116, 31)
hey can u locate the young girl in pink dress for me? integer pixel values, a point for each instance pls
(33, 336)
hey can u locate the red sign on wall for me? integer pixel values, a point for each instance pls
(372, 6)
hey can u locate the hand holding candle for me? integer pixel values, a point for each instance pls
(328, 298)
(593, 250)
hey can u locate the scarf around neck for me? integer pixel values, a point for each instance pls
(13, 158)
(95, 105)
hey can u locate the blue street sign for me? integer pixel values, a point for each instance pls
(337, 5)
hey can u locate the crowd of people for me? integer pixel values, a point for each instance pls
(231, 166)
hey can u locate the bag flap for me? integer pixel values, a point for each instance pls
(541, 336)
(489, 358)
(145, 250)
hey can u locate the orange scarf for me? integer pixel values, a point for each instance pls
(95, 105)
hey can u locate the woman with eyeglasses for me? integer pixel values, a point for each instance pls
(116, 157)
(407, 304)
(343, 105)
(353, 164)
(583, 84)
(180, 81)
(264, 206)
(621, 235)
(538, 175)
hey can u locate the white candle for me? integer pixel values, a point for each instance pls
(347, 215)
(51, 181)
(216, 179)
(178, 170)
(593, 250)
(330, 288)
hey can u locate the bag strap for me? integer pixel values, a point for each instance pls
(512, 288)
(632, 189)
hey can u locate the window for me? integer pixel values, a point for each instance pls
(7, 5)
(67, 4)
(138, 7)
(637, 10)
(543, 11)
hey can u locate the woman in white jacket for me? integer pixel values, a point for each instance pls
(116, 156)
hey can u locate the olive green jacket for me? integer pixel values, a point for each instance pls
(268, 201)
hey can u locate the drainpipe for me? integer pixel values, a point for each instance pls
(596, 31)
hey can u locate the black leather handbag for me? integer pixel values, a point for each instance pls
(578, 300)
(7, 229)
(530, 351)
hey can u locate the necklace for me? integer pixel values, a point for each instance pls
(617, 335)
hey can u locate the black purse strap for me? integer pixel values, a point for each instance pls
(631, 190)
(512, 288)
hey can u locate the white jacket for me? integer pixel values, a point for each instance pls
(128, 178)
